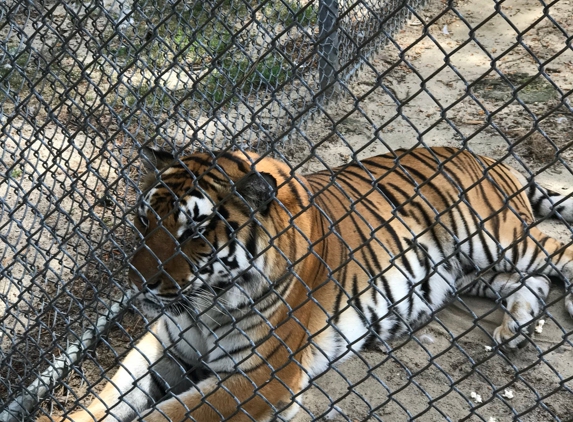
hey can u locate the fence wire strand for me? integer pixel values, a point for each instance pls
(86, 87)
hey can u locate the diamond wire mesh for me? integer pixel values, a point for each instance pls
(83, 85)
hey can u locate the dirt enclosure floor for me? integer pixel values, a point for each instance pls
(449, 370)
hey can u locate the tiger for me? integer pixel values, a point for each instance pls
(257, 279)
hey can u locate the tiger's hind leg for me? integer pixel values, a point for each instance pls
(547, 203)
(523, 297)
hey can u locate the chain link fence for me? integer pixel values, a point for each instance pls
(316, 84)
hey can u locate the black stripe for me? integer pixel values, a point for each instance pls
(488, 252)
(373, 162)
(392, 200)
(505, 187)
(252, 240)
(371, 207)
(357, 302)
(533, 257)
(374, 326)
(341, 291)
(349, 174)
(240, 163)
(173, 350)
(497, 224)
(431, 163)
(430, 184)
(430, 227)
(531, 193)
(468, 229)
(292, 187)
(229, 353)
(514, 247)
(390, 297)
(373, 290)
(387, 290)
(425, 260)
(265, 360)
(406, 197)
(365, 241)
(197, 160)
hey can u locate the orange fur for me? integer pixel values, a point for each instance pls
(361, 227)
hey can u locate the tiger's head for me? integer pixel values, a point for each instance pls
(219, 229)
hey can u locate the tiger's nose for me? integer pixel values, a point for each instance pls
(140, 282)
(135, 279)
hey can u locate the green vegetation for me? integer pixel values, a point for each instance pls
(535, 88)
(269, 72)
(16, 173)
(218, 64)
(217, 85)
(288, 13)
(170, 54)
(14, 70)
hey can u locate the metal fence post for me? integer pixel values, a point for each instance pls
(328, 44)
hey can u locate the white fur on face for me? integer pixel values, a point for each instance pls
(194, 209)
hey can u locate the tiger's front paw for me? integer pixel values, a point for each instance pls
(51, 419)
(74, 417)
(172, 410)
(522, 308)
(155, 417)
(569, 304)
(508, 337)
(517, 329)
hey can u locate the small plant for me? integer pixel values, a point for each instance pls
(234, 76)
(16, 173)
(288, 13)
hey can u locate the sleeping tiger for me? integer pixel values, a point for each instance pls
(259, 279)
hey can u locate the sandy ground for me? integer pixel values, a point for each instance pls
(429, 377)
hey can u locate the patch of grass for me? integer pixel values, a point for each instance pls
(201, 33)
(288, 13)
(15, 68)
(122, 52)
(229, 78)
(234, 76)
(138, 93)
(197, 38)
(537, 88)
(16, 173)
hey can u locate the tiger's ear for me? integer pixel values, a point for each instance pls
(258, 189)
(155, 159)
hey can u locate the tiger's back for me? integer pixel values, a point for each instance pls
(402, 230)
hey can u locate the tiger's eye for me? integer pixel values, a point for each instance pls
(192, 232)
